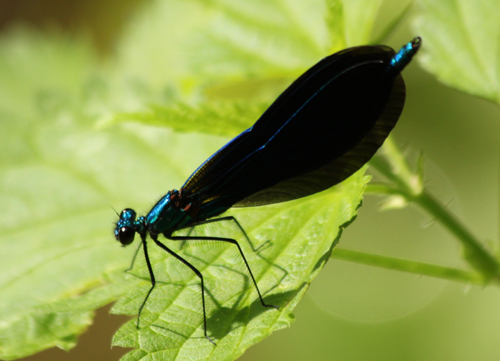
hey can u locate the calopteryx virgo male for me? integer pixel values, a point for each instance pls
(319, 131)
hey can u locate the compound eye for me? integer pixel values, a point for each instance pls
(128, 214)
(125, 235)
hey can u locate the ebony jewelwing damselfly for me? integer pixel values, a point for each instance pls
(319, 131)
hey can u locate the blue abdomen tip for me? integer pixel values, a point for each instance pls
(405, 54)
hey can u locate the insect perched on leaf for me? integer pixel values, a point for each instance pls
(319, 131)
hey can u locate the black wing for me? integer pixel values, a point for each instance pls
(341, 167)
(318, 132)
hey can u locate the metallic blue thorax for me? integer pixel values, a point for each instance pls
(168, 214)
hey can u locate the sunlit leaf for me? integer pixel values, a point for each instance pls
(225, 119)
(300, 234)
(461, 44)
(61, 173)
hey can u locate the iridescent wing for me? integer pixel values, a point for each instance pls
(318, 132)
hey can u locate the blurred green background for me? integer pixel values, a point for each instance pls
(355, 312)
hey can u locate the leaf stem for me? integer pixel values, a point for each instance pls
(405, 265)
(475, 253)
(409, 185)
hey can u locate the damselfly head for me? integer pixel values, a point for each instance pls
(125, 228)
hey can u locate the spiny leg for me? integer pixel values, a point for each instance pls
(222, 219)
(151, 275)
(228, 240)
(234, 220)
(198, 273)
(187, 235)
(133, 259)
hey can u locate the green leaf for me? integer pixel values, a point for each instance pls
(53, 240)
(222, 118)
(360, 22)
(59, 177)
(61, 174)
(219, 43)
(300, 235)
(461, 44)
(359, 17)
